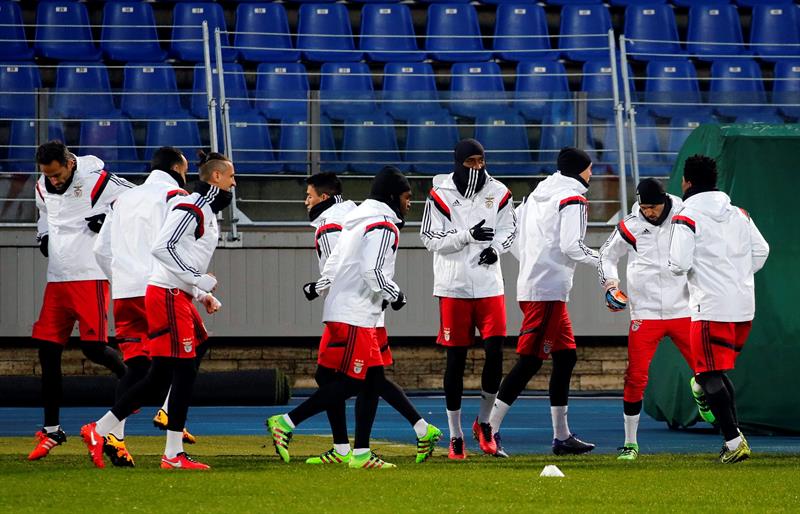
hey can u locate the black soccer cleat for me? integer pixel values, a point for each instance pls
(571, 446)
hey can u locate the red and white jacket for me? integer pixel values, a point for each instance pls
(124, 246)
(654, 291)
(718, 246)
(445, 228)
(328, 228)
(62, 217)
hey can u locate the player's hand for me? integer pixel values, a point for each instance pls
(616, 300)
(310, 290)
(211, 304)
(95, 222)
(481, 233)
(43, 245)
(400, 302)
(488, 256)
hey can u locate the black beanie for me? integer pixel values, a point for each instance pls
(467, 148)
(650, 192)
(572, 161)
(388, 185)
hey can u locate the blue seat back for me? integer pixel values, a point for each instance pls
(150, 91)
(129, 32)
(476, 89)
(540, 84)
(786, 90)
(13, 45)
(63, 33)
(679, 129)
(369, 143)
(756, 3)
(521, 33)
(709, 24)
(346, 89)
(112, 141)
(584, 26)
(294, 143)
(22, 143)
(187, 31)
(251, 144)
(599, 86)
(737, 82)
(654, 22)
(448, 20)
(262, 33)
(82, 89)
(281, 90)
(409, 89)
(430, 141)
(393, 20)
(506, 141)
(17, 82)
(673, 86)
(324, 33)
(775, 27)
(235, 89)
(183, 134)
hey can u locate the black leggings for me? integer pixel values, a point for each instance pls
(721, 401)
(517, 379)
(457, 361)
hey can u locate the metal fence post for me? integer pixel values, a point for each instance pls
(623, 183)
(629, 109)
(226, 131)
(314, 132)
(212, 102)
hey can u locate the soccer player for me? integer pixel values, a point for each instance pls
(551, 230)
(182, 249)
(469, 221)
(361, 289)
(123, 251)
(72, 195)
(659, 299)
(327, 210)
(719, 248)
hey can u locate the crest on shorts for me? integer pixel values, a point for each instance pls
(446, 333)
(635, 324)
(548, 345)
(489, 202)
(358, 365)
(187, 345)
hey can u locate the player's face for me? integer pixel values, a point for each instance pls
(225, 179)
(475, 162)
(405, 203)
(652, 211)
(312, 198)
(586, 174)
(183, 168)
(57, 173)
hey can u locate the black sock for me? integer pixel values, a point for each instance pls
(183, 376)
(493, 364)
(719, 401)
(454, 377)
(632, 408)
(563, 364)
(336, 413)
(136, 370)
(367, 405)
(397, 399)
(100, 353)
(50, 361)
(517, 379)
(732, 394)
(157, 379)
(339, 390)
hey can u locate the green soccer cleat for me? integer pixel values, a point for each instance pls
(368, 460)
(427, 443)
(281, 434)
(628, 452)
(742, 452)
(702, 406)
(330, 457)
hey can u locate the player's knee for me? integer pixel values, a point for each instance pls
(50, 354)
(324, 375)
(138, 367)
(711, 381)
(564, 360)
(493, 346)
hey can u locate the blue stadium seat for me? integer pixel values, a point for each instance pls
(346, 90)
(693, 3)
(281, 90)
(316, 26)
(18, 77)
(679, 129)
(756, 3)
(709, 24)
(558, 131)
(393, 20)
(573, 2)
(430, 141)
(728, 86)
(778, 27)
(150, 91)
(598, 84)
(787, 90)
(111, 140)
(539, 84)
(187, 32)
(181, 134)
(235, 90)
(22, 143)
(655, 22)
(251, 144)
(369, 143)
(63, 32)
(262, 33)
(625, 3)
(506, 141)
(521, 33)
(409, 89)
(472, 84)
(129, 32)
(12, 34)
(652, 161)
(294, 141)
(584, 26)
(82, 89)
(757, 117)
(673, 84)
(448, 20)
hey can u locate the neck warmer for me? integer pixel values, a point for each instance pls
(323, 206)
(177, 177)
(468, 181)
(698, 189)
(217, 198)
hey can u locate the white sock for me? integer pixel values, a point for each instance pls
(733, 443)
(454, 422)
(106, 424)
(421, 428)
(487, 402)
(174, 444)
(560, 426)
(498, 413)
(288, 420)
(52, 429)
(631, 427)
(119, 430)
(360, 451)
(166, 401)
(342, 449)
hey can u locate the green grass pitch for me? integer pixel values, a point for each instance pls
(248, 477)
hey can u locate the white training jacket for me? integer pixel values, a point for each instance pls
(62, 217)
(552, 225)
(184, 246)
(328, 228)
(124, 246)
(445, 228)
(720, 248)
(654, 292)
(360, 271)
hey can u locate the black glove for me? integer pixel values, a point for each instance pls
(481, 233)
(43, 242)
(488, 256)
(400, 302)
(96, 222)
(310, 290)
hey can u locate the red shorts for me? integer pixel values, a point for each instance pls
(546, 328)
(349, 349)
(84, 301)
(383, 344)
(459, 317)
(717, 344)
(130, 324)
(174, 326)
